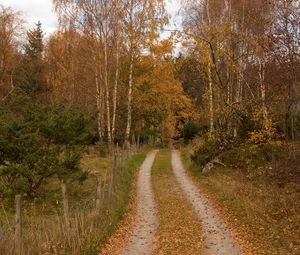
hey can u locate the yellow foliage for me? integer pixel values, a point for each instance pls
(267, 131)
(159, 96)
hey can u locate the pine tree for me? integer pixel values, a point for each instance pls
(32, 69)
(34, 47)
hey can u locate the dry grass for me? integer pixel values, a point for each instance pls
(268, 213)
(97, 165)
(50, 235)
(125, 228)
(179, 229)
(44, 229)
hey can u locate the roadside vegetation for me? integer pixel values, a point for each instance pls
(72, 193)
(245, 150)
(257, 187)
(43, 225)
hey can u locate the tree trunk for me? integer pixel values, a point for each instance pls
(102, 115)
(263, 87)
(129, 104)
(107, 94)
(211, 100)
(115, 92)
(130, 82)
(99, 103)
(210, 81)
(208, 12)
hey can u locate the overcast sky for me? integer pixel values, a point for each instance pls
(34, 11)
(42, 10)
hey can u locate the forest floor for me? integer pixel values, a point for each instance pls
(187, 222)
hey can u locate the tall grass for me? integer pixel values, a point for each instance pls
(44, 228)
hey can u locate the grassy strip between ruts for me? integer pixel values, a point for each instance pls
(179, 229)
(269, 216)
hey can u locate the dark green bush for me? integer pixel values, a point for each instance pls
(254, 159)
(214, 145)
(190, 131)
(40, 142)
(207, 152)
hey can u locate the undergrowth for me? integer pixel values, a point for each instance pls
(259, 188)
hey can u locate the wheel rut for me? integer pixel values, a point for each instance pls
(143, 238)
(218, 240)
(182, 222)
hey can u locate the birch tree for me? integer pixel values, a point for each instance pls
(142, 20)
(99, 22)
(10, 29)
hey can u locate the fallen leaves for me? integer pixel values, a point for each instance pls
(125, 229)
(179, 229)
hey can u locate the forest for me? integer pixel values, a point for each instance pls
(82, 107)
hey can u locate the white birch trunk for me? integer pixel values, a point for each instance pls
(211, 99)
(99, 103)
(107, 93)
(130, 83)
(129, 103)
(115, 92)
(210, 81)
(262, 66)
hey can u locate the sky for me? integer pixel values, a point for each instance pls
(42, 10)
(173, 7)
(33, 11)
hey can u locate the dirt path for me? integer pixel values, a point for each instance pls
(179, 231)
(142, 240)
(217, 238)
